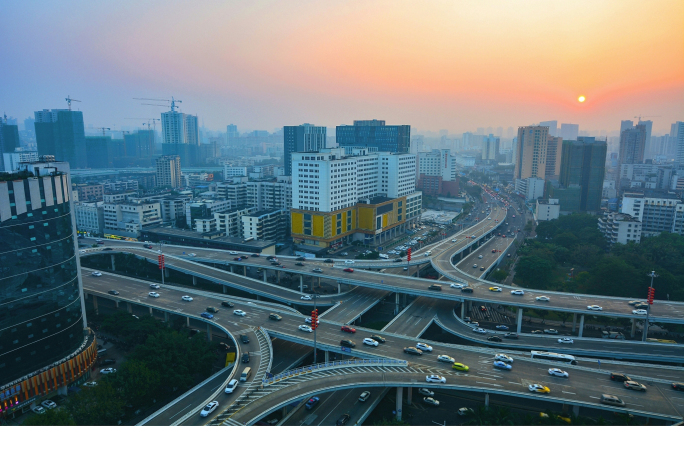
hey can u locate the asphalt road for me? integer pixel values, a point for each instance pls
(330, 408)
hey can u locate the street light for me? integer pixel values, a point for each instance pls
(314, 325)
(651, 294)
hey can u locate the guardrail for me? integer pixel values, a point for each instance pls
(341, 363)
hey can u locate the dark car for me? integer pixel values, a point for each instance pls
(245, 357)
(148, 246)
(537, 332)
(299, 263)
(255, 255)
(113, 292)
(396, 260)
(619, 377)
(347, 343)
(109, 361)
(212, 309)
(311, 403)
(483, 309)
(237, 258)
(300, 259)
(244, 339)
(343, 419)
(495, 338)
(511, 336)
(412, 350)
(378, 338)
(467, 319)
(482, 268)
(224, 346)
(467, 290)
(678, 386)
(274, 316)
(328, 260)
(227, 304)
(108, 248)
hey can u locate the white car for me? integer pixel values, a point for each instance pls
(49, 404)
(90, 384)
(426, 391)
(481, 331)
(39, 410)
(424, 347)
(210, 408)
(186, 298)
(107, 371)
(348, 262)
(192, 254)
(154, 294)
(480, 256)
(456, 285)
(503, 358)
(155, 286)
(81, 251)
(558, 372)
(249, 303)
(370, 342)
(305, 328)
(305, 297)
(239, 312)
(232, 252)
(435, 379)
(445, 358)
(430, 401)
(465, 411)
(231, 386)
(595, 307)
(542, 298)
(453, 240)
(308, 320)
(640, 312)
(97, 274)
(502, 365)
(517, 292)
(565, 341)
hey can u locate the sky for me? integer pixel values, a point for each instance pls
(262, 64)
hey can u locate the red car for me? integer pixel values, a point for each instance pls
(348, 270)
(503, 235)
(348, 329)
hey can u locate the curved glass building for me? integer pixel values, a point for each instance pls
(42, 318)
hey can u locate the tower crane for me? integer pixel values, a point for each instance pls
(647, 116)
(70, 100)
(103, 129)
(150, 122)
(172, 103)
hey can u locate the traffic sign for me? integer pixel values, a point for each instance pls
(345, 349)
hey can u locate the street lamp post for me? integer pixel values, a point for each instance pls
(651, 293)
(161, 259)
(314, 325)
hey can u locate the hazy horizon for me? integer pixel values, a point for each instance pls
(452, 65)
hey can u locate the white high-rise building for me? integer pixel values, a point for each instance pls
(179, 128)
(438, 162)
(677, 136)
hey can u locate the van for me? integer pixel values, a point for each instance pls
(435, 287)
(246, 373)
(384, 257)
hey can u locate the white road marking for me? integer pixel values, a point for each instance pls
(572, 393)
(489, 384)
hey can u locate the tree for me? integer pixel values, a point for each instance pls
(542, 313)
(137, 382)
(563, 316)
(101, 405)
(391, 422)
(54, 417)
(499, 275)
(534, 272)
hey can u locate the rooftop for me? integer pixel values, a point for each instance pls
(193, 235)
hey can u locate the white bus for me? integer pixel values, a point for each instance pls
(384, 257)
(553, 356)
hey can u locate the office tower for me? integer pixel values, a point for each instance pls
(60, 133)
(583, 163)
(231, 134)
(191, 130)
(554, 147)
(530, 153)
(647, 144)
(305, 137)
(552, 125)
(375, 134)
(626, 124)
(677, 136)
(569, 131)
(169, 172)
(99, 152)
(632, 146)
(29, 125)
(467, 140)
(9, 137)
(43, 315)
(490, 147)
(140, 145)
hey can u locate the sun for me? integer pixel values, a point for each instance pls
(581, 99)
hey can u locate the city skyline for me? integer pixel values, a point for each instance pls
(246, 65)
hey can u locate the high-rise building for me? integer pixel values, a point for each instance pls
(192, 136)
(178, 127)
(231, 134)
(583, 164)
(169, 172)
(9, 137)
(554, 147)
(44, 330)
(305, 137)
(490, 147)
(531, 148)
(648, 125)
(552, 125)
(677, 139)
(376, 135)
(632, 146)
(569, 131)
(60, 133)
(626, 124)
(140, 145)
(99, 152)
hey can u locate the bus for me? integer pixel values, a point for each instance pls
(665, 341)
(566, 358)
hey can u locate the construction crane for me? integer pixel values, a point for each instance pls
(647, 116)
(172, 102)
(103, 129)
(70, 100)
(150, 122)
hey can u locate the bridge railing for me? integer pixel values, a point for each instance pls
(339, 363)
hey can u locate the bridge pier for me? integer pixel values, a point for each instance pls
(339, 288)
(486, 400)
(462, 310)
(400, 394)
(519, 320)
(231, 268)
(225, 289)
(208, 332)
(396, 303)
(165, 275)
(575, 410)
(187, 321)
(574, 322)
(244, 270)
(327, 356)
(166, 317)
(151, 313)
(113, 263)
(409, 395)
(194, 280)
(301, 283)
(264, 273)
(644, 335)
(633, 328)
(116, 303)
(581, 326)
(278, 276)
(319, 282)
(130, 308)
(97, 310)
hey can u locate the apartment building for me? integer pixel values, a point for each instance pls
(620, 228)
(269, 225)
(230, 222)
(269, 195)
(89, 217)
(547, 209)
(87, 192)
(657, 214)
(129, 218)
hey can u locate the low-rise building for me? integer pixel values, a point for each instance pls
(89, 217)
(229, 222)
(129, 218)
(620, 228)
(547, 209)
(266, 225)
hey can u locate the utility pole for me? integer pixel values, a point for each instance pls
(314, 325)
(651, 295)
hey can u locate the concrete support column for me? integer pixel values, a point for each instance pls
(116, 302)
(487, 400)
(339, 288)
(575, 410)
(519, 319)
(130, 308)
(225, 289)
(404, 296)
(327, 356)
(574, 322)
(113, 263)
(187, 321)
(208, 332)
(244, 270)
(194, 280)
(166, 317)
(644, 335)
(462, 310)
(633, 327)
(97, 310)
(409, 395)
(166, 273)
(301, 283)
(264, 273)
(581, 325)
(258, 297)
(278, 276)
(151, 313)
(396, 303)
(319, 282)
(231, 268)
(400, 395)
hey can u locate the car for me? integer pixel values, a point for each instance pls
(365, 395)
(344, 254)
(542, 298)
(640, 312)
(614, 400)
(107, 371)
(467, 290)
(255, 255)
(227, 304)
(412, 350)
(467, 319)
(424, 347)
(430, 401)
(642, 306)
(49, 404)
(155, 286)
(239, 312)
(537, 332)
(465, 411)
(97, 274)
(502, 365)
(249, 303)
(349, 262)
(619, 377)
(435, 379)
(378, 338)
(154, 294)
(328, 260)
(426, 391)
(232, 252)
(305, 297)
(481, 331)
(274, 316)
(495, 289)
(565, 341)
(511, 336)
(305, 328)
(186, 298)
(480, 256)
(348, 270)
(508, 255)
(445, 358)
(209, 408)
(90, 384)
(483, 308)
(474, 266)
(459, 367)
(317, 270)
(148, 246)
(539, 388)
(347, 343)
(109, 362)
(299, 263)
(594, 307)
(503, 358)
(347, 329)
(298, 258)
(342, 420)
(633, 302)
(192, 254)
(550, 331)
(312, 403)
(39, 410)
(237, 258)
(558, 372)
(678, 386)
(370, 342)
(107, 249)
(206, 315)
(501, 327)
(633, 385)
(232, 385)
(308, 320)
(517, 292)
(245, 357)
(212, 309)
(456, 285)
(495, 339)
(405, 268)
